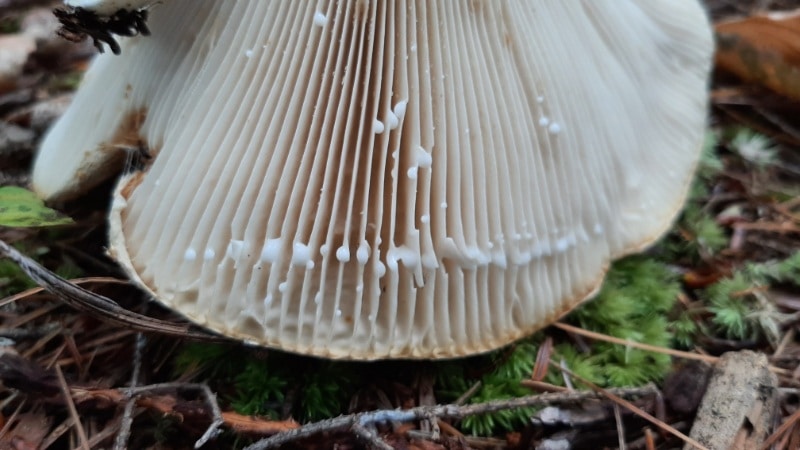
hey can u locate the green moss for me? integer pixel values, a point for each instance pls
(706, 236)
(9, 26)
(684, 330)
(325, 392)
(710, 165)
(257, 383)
(633, 304)
(753, 147)
(740, 305)
(12, 279)
(259, 390)
(502, 382)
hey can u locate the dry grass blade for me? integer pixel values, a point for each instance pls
(652, 348)
(73, 412)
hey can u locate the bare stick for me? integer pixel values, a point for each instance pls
(121, 442)
(370, 437)
(216, 413)
(354, 422)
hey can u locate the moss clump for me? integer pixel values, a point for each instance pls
(633, 305)
(259, 383)
(12, 279)
(740, 303)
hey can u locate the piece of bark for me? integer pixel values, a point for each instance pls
(737, 410)
(684, 388)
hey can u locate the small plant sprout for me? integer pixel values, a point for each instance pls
(333, 138)
(754, 147)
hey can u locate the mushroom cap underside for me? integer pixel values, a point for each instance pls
(410, 179)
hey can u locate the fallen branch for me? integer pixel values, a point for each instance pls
(359, 422)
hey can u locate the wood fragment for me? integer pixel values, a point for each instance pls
(737, 410)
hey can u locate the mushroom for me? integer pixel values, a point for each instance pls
(365, 179)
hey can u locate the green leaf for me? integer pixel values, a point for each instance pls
(21, 208)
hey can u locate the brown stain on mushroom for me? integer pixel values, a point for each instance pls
(126, 136)
(129, 148)
(131, 184)
(507, 39)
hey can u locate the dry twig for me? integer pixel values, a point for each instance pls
(121, 442)
(359, 422)
(73, 412)
(97, 305)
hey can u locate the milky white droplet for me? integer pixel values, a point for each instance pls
(362, 254)
(424, 159)
(301, 254)
(392, 121)
(343, 254)
(272, 250)
(235, 248)
(400, 109)
(320, 19)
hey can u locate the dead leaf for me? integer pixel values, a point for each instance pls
(764, 50)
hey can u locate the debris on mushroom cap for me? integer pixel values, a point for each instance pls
(410, 179)
(109, 7)
(101, 23)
